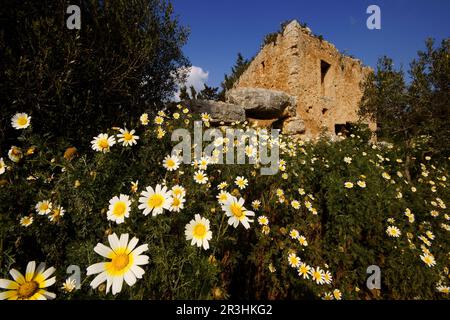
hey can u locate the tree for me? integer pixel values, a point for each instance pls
(126, 59)
(184, 95)
(208, 93)
(237, 70)
(406, 112)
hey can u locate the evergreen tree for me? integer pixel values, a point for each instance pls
(237, 70)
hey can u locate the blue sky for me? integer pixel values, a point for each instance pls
(221, 28)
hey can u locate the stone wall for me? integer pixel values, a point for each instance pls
(325, 82)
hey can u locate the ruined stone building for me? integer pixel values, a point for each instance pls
(324, 82)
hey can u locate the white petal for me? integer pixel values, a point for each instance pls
(8, 284)
(47, 273)
(48, 283)
(17, 276)
(96, 268)
(140, 249)
(138, 271)
(123, 240)
(114, 241)
(132, 244)
(98, 279)
(130, 278)
(141, 260)
(103, 250)
(117, 284)
(31, 267)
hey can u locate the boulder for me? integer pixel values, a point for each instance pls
(290, 126)
(263, 103)
(218, 110)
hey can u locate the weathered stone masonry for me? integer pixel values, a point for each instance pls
(325, 82)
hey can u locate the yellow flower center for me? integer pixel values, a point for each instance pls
(119, 208)
(22, 121)
(199, 230)
(176, 202)
(27, 289)
(236, 210)
(44, 207)
(170, 163)
(156, 201)
(120, 261)
(103, 143)
(16, 152)
(127, 136)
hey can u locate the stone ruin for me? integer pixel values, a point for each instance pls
(299, 83)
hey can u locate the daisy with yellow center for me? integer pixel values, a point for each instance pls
(29, 287)
(103, 142)
(294, 234)
(178, 191)
(155, 200)
(176, 116)
(15, 154)
(337, 294)
(26, 221)
(203, 163)
(430, 235)
(160, 133)
(263, 221)
(171, 163)
(223, 197)
(361, 184)
(56, 214)
(125, 261)
(177, 204)
(393, 231)
(222, 185)
(256, 204)
(2, 166)
(69, 285)
(241, 182)
(327, 277)
(198, 231)
(443, 289)
(386, 175)
(128, 138)
(318, 275)
(200, 177)
(205, 117)
(328, 296)
(144, 119)
(43, 207)
(159, 120)
(348, 185)
(237, 213)
(119, 208)
(295, 204)
(428, 259)
(304, 271)
(21, 121)
(302, 241)
(293, 260)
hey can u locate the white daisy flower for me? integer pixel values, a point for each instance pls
(43, 207)
(56, 213)
(155, 200)
(171, 162)
(294, 261)
(30, 286)
(125, 261)
(237, 213)
(241, 182)
(128, 138)
(103, 142)
(2, 166)
(26, 221)
(200, 177)
(177, 204)
(119, 208)
(393, 231)
(21, 121)
(15, 154)
(198, 231)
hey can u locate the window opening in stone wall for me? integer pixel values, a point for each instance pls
(324, 68)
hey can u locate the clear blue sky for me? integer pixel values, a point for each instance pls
(221, 28)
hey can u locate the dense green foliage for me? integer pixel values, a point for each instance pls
(345, 227)
(126, 58)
